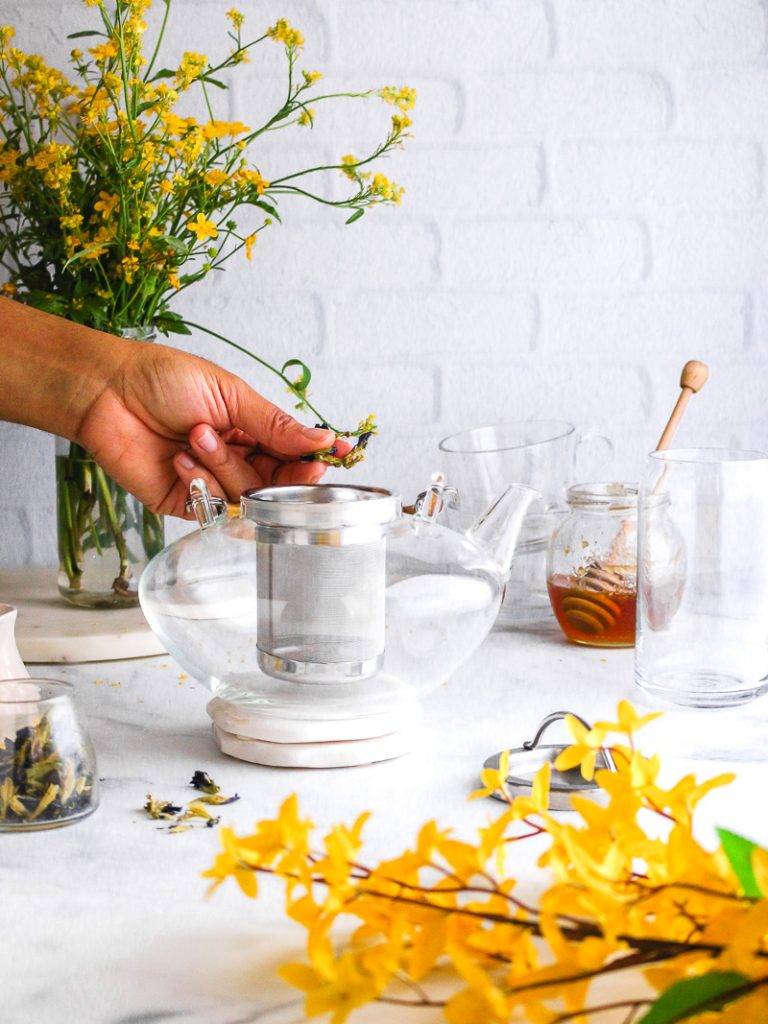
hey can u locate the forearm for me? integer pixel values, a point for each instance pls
(52, 370)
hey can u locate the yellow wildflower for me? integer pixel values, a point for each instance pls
(250, 241)
(53, 161)
(9, 159)
(282, 32)
(174, 281)
(203, 227)
(400, 122)
(104, 52)
(112, 81)
(176, 125)
(93, 3)
(307, 116)
(128, 267)
(191, 67)
(71, 222)
(7, 288)
(245, 176)
(349, 168)
(311, 76)
(101, 236)
(107, 204)
(215, 177)
(236, 17)
(166, 186)
(404, 98)
(382, 186)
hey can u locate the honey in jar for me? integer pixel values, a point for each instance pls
(603, 617)
(592, 565)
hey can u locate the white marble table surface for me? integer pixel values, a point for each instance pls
(107, 921)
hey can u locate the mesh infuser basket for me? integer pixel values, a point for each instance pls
(320, 577)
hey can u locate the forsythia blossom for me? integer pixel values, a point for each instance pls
(632, 890)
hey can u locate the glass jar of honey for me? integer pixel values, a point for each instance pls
(592, 565)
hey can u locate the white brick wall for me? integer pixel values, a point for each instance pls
(585, 210)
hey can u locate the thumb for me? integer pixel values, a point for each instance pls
(273, 428)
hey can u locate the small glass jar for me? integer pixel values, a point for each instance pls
(592, 565)
(47, 765)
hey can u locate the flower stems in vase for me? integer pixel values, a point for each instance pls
(105, 535)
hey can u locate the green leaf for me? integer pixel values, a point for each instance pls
(268, 208)
(177, 244)
(84, 252)
(306, 375)
(739, 852)
(693, 996)
(163, 73)
(83, 35)
(171, 323)
(355, 216)
(212, 81)
(47, 303)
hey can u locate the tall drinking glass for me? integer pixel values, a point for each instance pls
(702, 623)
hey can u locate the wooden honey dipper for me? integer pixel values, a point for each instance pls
(591, 609)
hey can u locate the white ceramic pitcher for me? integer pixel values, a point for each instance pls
(11, 665)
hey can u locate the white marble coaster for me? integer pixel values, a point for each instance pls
(49, 630)
(308, 725)
(339, 754)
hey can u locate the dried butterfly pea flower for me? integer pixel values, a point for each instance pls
(195, 809)
(218, 799)
(43, 778)
(203, 781)
(161, 808)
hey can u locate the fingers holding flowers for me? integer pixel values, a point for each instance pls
(231, 462)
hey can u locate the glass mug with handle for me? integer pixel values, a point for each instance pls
(546, 455)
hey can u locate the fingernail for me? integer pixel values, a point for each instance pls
(207, 441)
(315, 433)
(185, 461)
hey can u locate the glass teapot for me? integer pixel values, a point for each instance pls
(322, 612)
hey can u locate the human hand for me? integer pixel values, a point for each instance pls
(233, 462)
(160, 402)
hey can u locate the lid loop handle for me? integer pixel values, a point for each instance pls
(206, 508)
(430, 503)
(558, 716)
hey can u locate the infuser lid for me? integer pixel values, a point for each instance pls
(320, 506)
(525, 761)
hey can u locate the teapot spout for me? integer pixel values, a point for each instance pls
(497, 530)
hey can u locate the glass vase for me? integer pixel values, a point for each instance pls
(105, 535)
